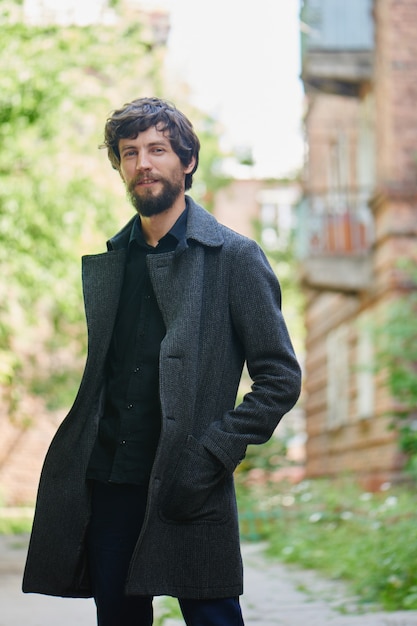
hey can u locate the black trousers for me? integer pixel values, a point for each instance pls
(117, 517)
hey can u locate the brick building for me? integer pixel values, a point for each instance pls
(358, 216)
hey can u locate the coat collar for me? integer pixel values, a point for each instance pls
(201, 227)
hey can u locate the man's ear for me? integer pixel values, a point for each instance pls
(190, 166)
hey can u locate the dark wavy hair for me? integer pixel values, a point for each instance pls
(139, 115)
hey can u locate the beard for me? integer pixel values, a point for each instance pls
(147, 203)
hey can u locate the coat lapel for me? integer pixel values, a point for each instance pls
(102, 276)
(179, 290)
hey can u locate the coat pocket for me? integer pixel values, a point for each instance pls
(198, 490)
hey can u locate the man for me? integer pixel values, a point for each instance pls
(136, 497)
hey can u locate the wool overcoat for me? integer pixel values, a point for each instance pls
(221, 305)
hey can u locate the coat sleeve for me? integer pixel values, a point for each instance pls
(255, 305)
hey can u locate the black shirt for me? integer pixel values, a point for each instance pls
(129, 428)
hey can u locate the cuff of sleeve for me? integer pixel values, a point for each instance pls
(217, 451)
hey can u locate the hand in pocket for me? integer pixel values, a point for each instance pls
(197, 491)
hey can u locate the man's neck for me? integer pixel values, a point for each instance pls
(157, 226)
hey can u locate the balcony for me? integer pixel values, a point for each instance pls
(339, 72)
(337, 45)
(333, 240)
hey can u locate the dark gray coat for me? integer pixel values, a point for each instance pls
(221, 305)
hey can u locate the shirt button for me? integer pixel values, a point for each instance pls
(123, 442)
(136, 370)
(129, 406)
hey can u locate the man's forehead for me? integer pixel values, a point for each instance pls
(151, 134)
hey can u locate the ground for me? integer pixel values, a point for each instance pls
(275, 595)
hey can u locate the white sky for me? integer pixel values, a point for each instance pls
(242, 62)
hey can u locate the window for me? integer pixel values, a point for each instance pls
(365, 383)
(337, 347)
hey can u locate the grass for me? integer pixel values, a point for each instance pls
(368, 540)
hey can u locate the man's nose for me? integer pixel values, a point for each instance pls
(142, 162)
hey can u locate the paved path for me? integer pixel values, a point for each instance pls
(275, 596)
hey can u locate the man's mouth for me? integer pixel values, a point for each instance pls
(145, 181)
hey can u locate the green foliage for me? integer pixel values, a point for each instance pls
(43, 197)
(368, 540)
(397, 357)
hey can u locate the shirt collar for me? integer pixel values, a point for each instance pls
(178, 230)
(202, 227)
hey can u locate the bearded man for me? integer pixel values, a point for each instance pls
(136, 497)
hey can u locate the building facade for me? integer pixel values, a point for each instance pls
(357, 219)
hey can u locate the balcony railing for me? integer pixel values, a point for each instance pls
(334, 223)
(334, 236)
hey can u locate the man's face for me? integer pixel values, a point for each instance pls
(152, 172)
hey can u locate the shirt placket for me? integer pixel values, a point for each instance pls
(133, 389)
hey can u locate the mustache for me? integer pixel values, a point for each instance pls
(141, 178)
